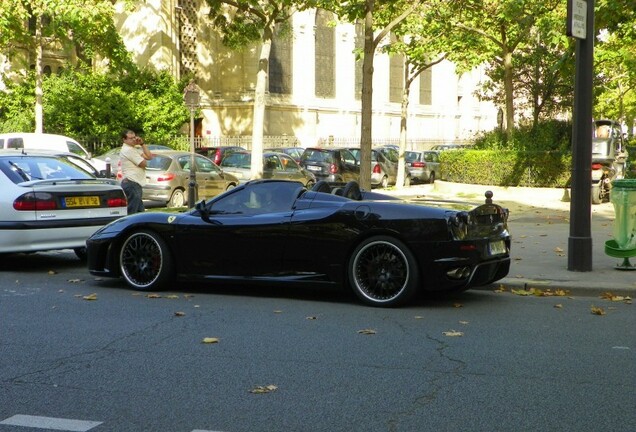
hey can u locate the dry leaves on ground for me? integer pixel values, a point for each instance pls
(210, 340)
(453, 333)
(597, 310)
(616, 298)
(264, 389)
(367, 332)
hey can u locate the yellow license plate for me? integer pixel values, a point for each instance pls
(82, 201)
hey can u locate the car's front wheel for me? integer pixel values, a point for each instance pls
(383, 272)
(145, 261)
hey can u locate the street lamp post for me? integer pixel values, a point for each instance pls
(191, 98)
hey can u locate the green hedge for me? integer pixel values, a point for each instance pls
(507, 167)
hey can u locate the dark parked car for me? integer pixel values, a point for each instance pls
(217, 154)
(423, 165)
(279, 233)
(278, 166)
(331, 164)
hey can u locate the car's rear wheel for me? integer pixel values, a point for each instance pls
(145, 261)
(177, 199)
(383, 272)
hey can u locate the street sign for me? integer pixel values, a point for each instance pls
(577, 19)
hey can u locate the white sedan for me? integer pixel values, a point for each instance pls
(49, 203)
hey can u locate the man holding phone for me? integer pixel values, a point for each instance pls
(133, 156)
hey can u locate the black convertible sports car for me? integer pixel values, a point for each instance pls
(279, 232)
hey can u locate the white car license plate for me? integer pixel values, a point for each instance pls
(497, 247)
(313, 168)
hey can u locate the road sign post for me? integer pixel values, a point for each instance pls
(580, 24)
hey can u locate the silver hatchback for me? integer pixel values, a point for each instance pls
(168, 177)
(423, 165)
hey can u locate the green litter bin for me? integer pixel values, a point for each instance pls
(623, 197)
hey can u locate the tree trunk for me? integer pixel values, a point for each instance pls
(509, 94)
(39, 128)
(258, 123)
(366, 117)
(406, 90)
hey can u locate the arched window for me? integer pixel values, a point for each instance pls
(325, 49)
(280, 63)
(396, 75)
(426, 87)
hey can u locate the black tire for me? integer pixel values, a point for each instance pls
(383, 272)
(178, 198)
(431, 178)
(145, 261)
(352, 191)
(321, 186)
(81, 253)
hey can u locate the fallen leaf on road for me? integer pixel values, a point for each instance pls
(90, 297)
(615, 298)
(52, 272)
(172, 296)
(367, 332)
(74, 280)
(153, 296)
(264, 389)
(453, 333)
(502, 288)
(597, 310)
(210, 340)
(558, 306)
(179, 314)
(458, 305)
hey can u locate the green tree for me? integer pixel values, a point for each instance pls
(246, 22)
(28, 26)
(379, 18)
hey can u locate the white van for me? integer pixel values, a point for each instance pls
(44, 141)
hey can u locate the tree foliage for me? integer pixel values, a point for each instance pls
(87, 104)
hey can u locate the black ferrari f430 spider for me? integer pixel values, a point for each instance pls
(278, 232)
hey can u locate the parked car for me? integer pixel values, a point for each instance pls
(218, 153)
(383, 170)
(331, 164)
(47, 202)
(442, 147)
(423, 165)
(279, 233)
(45, 141)
(295, 152)
(168, 178)
(275, 166)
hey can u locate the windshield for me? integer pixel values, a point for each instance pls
(237, 160)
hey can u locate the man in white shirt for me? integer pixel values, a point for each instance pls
(133, 157)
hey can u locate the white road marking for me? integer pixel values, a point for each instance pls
(50, 423)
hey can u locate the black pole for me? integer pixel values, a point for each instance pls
(580, 240)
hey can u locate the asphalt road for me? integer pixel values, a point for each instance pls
(81, 354)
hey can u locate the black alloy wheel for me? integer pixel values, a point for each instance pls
(145, 261)
(383, 272)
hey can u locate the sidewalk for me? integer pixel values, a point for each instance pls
(539, 225)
